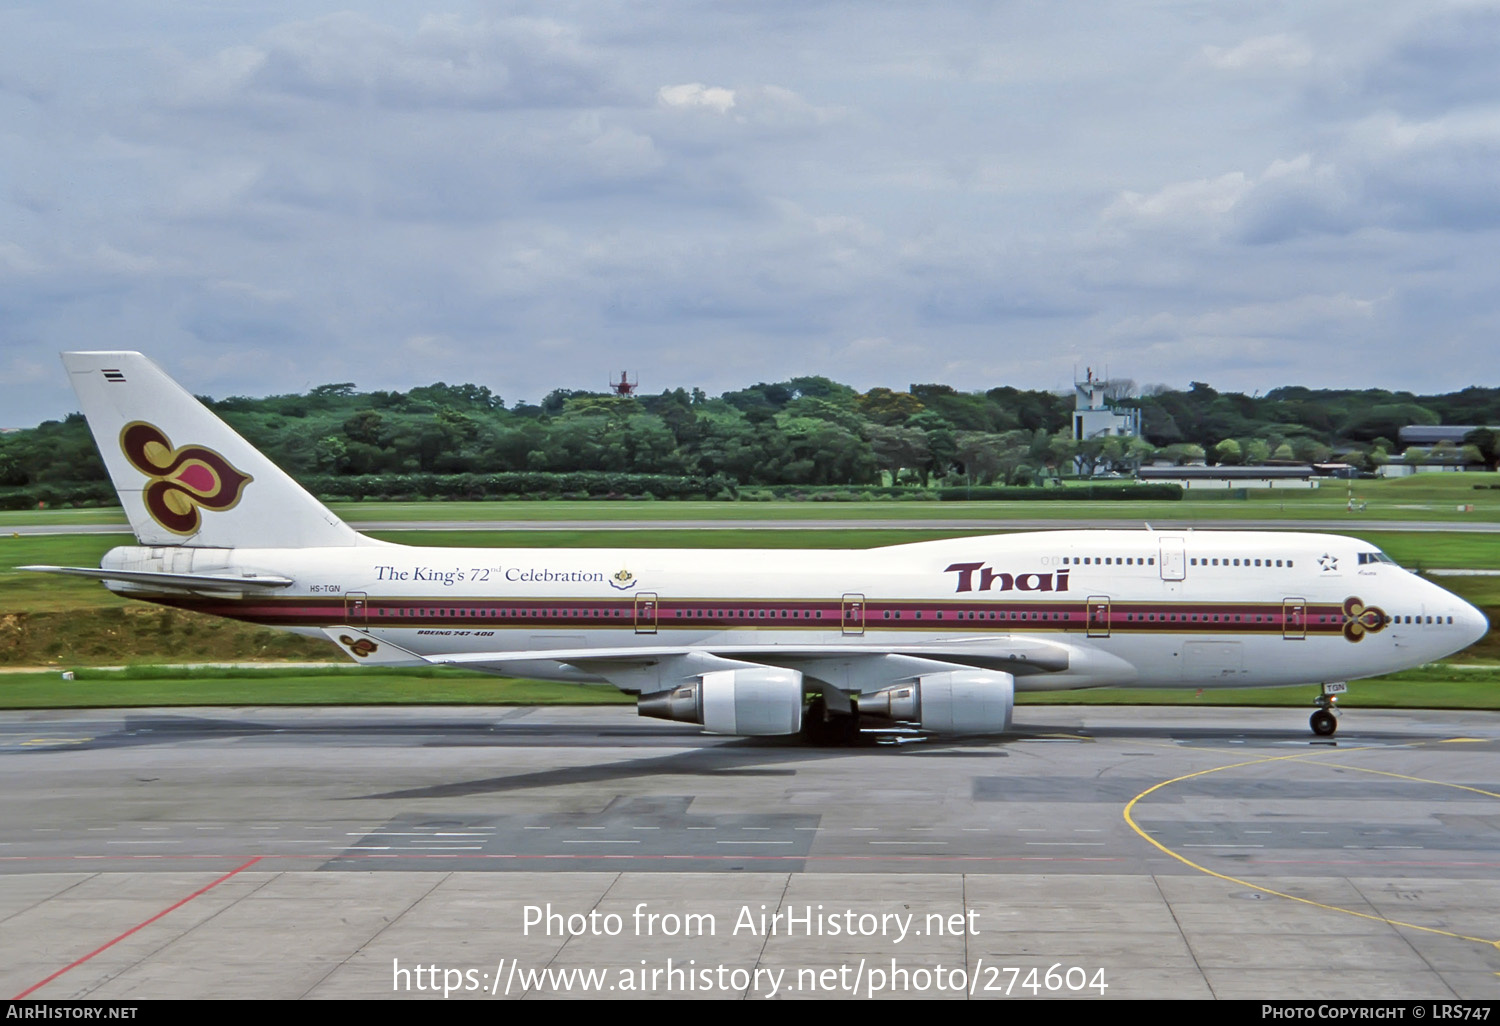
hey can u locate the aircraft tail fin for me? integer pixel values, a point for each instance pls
(183, 475)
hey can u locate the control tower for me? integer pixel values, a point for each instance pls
(1093, 417)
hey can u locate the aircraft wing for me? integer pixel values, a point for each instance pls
(1015, 655)
(991, 653)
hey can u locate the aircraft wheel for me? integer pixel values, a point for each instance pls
(1324, 723)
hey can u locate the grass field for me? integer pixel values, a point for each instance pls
(1421, 497)
(336, 685)
(1435, 687)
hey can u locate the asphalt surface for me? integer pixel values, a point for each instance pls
(1161, 852)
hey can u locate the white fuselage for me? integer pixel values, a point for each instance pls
(1138, 608)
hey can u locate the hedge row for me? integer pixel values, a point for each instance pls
(846, 493)
(86, 493)
(519, 484)
(1159, 492)
(597, 484)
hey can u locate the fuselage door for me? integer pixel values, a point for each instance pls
(1294, 619)
(645, 612)
(356, 608)
(854, 614)
(1098, 616)
(1173, 560)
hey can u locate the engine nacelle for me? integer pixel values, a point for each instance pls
(760, 700)
(961, 702)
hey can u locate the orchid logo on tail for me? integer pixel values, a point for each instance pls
(182, 479)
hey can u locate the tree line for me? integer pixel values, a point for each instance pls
(806, 432)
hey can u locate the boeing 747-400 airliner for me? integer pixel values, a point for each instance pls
(935, 635)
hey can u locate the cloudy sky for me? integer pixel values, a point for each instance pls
(265, 196)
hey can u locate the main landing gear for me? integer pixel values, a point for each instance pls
(1325, 721)
(822, 726)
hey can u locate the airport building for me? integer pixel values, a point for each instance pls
(1093, 417)
(1200, 478)
(1427, 439)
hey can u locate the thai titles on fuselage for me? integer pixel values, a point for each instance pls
(991, 580)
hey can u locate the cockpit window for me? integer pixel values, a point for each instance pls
(1375, 557)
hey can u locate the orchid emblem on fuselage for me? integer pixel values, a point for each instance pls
(1360, 619)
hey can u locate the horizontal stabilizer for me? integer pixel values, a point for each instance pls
(170, 581)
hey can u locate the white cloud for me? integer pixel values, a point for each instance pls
(1392, 134)
(429, 348)
(1279, 52)
(1297, 317)
(1194, 201)
(1288, 198)
(696, 95)
(113, 260)
(251, 291)
(353, 60)
(1263, 343)
(15, 260)
(614, 151)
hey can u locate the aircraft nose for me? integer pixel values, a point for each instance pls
(1475, 624)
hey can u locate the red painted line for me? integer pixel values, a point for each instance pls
(136, 927)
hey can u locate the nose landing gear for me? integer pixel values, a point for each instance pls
(1324, 723)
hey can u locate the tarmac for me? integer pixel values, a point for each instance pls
(439, 853)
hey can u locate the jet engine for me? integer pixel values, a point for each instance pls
(961, 702)
(753, 701)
